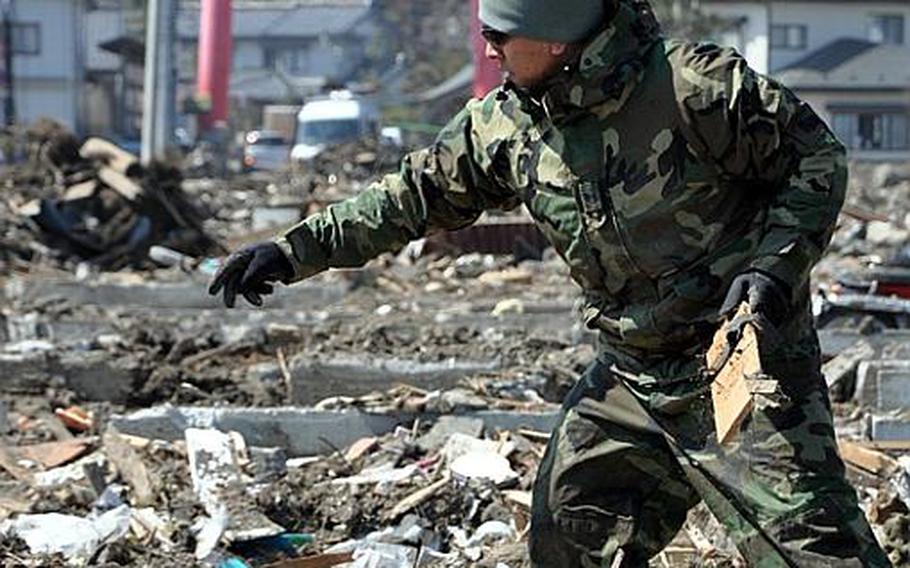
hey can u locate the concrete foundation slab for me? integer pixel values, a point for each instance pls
(300, 431)
(315, 379)
(160, 295)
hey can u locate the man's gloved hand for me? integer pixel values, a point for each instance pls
(765, 294)
(251, 272)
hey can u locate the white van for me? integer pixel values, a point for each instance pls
(341, 117)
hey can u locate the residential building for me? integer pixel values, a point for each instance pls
(47, 60)
(850, 59)
(114, 63)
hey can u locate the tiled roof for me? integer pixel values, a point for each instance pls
(832, 55)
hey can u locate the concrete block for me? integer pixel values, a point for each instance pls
(161, 295)
(883, 384)
(841, 370)
(493, 420)
(890, 428)
(834, 341)
(96, 376)
(28, 372)
(447, 425)
(300, 431)
(313, 379)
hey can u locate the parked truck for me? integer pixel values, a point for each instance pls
(338, 118)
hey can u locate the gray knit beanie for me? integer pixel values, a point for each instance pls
(564, 21)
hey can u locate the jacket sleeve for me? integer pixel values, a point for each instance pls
(444, 187)
(761, 137)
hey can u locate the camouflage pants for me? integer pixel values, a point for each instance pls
(632, 454)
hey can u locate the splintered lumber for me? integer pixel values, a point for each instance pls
(54, 454)
(730, 392)
(130, 467)
(112, 155)
(865, 458)
(123, 185)
(419, 497)
(10, 464)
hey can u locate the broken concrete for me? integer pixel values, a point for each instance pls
(300, 431)
(883, 384)
(313, 379)
(159, 295)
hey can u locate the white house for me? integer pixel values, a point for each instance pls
(849, 59)
(48, 54)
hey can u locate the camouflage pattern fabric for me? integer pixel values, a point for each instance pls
(634, 451)
(659, 170)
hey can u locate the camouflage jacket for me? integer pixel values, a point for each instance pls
(658, 169)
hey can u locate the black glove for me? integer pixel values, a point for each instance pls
(767, 296)
(251, 272)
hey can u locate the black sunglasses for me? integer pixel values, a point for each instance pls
(493, 36)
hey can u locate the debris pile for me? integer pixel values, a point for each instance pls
(393, 415)
(93, 202)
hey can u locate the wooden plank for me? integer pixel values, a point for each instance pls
(112, 155)
(730, 391)
(420, 496)
(866, 459)
(9, 462)
(54, 454)
(123, 185)
(888, 445)
(131, 468)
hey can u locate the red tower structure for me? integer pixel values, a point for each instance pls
(214, 67)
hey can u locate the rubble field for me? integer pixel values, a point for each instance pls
(391, 416)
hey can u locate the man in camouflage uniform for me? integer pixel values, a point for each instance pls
(675, 182)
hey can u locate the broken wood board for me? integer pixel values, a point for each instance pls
(112, 155)
(129, 465)
(888, 445)
(123, 185)
(84, 190)
(521, 498)
(10, 462)
(730, 390)
(867, 459)
(420, 496)
(220, 486)
(53, 454)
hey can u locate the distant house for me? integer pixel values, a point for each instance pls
(114, 63)
(47, 70)
(849, 59)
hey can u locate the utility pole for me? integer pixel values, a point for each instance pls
(9, 100)
(158, 101)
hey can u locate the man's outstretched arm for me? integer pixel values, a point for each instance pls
(446, 186)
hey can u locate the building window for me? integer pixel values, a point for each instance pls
(26, 39)
(789, 36)
(872, 130)
(887, 29)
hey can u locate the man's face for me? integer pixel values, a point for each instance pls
(526, 62)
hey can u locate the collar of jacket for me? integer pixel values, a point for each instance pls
(608, 68)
